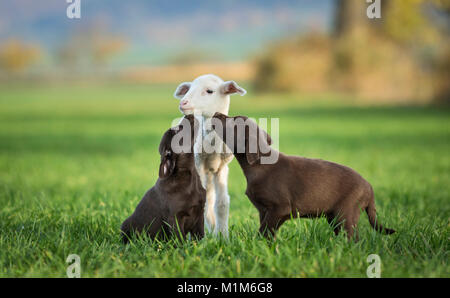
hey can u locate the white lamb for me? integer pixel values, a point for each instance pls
(203, 97)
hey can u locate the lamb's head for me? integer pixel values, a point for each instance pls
(206, 95)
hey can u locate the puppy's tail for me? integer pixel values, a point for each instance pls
(371, 213)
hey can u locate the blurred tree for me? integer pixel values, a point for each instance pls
(442, 76)
(68, 56)
(350, 15)
(392, 57)
(406, 23)
(105, 47)
(90, 48)
(404, 55)
(423, 27)
(295, 65)
(192, 56)
(16, 56)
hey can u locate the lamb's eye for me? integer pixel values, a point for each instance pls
(210, 91)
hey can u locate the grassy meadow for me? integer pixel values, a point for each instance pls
(76, 160)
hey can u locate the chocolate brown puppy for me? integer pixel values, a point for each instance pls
(175, 204)
(294, 186)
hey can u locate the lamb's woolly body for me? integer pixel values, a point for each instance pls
(211, 167)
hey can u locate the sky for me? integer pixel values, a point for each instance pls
(158, 30)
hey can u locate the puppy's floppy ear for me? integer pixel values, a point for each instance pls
(257, 140)
(167, 165)
(231, 87)
(182, 89)
(218, 115)
(252, 157)
(167, 156)
(165, 141)
(267, 137)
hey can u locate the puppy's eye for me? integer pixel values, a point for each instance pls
(209, 91)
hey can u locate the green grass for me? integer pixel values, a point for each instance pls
(76, 160)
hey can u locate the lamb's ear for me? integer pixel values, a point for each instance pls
(165, 142)
(182, 89)
(231, 87)
(167, 164)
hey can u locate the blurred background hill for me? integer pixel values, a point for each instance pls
(280, 46)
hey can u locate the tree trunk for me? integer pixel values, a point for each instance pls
(350, 15)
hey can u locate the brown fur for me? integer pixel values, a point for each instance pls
(176, 203)
(297, 186)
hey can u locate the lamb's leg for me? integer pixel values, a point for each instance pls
(222, 201)
(210, 217)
